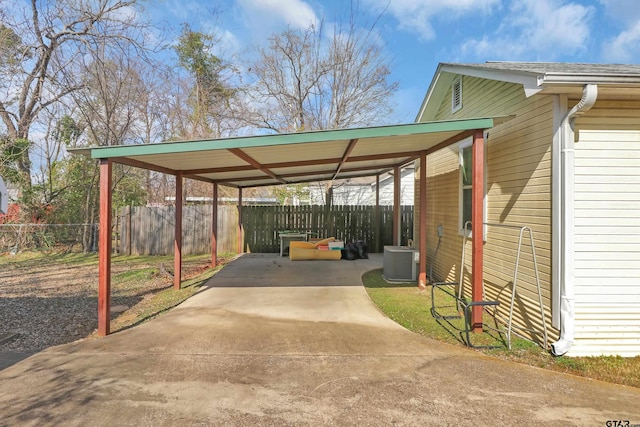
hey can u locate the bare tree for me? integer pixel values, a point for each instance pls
(109, 103)
(306, 81)
(357, 91)
(290, 75)
(110, 112)
(48, 39)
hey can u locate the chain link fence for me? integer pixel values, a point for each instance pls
(65, 237)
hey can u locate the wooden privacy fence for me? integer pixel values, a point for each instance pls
(347, 223)
(146, 230)
(150, 230)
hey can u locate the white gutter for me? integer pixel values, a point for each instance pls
(567, 208)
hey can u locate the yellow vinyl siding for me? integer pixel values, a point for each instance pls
(518, 193)
(475, 94)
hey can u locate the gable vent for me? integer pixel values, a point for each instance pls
(456, 94)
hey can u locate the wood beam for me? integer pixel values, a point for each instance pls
(376, 170)
(477, 221)
(239, 168)
(199, 178)
(408, 155)
(214, 227)
(177, 242)
(396, 205)
(240, 228)
(104, 249)
(143, 165)
(449, 141)
(247, 158)
(422, 275)
(345, 156)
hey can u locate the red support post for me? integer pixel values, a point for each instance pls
(214, 227)
(177, 246)
(396, 205)
(104, 250)
(477, 220)
(240, 240)
(422, 276)
(377, 216)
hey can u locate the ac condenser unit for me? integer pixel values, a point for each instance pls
(400, 264)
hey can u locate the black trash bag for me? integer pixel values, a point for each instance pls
(350, 252)
(361, 247)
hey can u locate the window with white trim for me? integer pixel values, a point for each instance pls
(465, 155)
(466, 181)
(456, 94)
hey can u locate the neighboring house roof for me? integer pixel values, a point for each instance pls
(535, 77)
(559, 68)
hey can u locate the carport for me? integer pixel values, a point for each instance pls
(264, 160)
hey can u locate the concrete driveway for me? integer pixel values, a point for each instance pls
(275, 342)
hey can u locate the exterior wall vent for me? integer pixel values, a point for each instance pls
(456, 94)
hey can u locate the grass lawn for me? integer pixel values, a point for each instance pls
(407, 305)
(165, 298)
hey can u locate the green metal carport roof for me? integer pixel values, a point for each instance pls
(288, 158)
(275, 159)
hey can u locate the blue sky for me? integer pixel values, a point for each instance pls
(418, 34)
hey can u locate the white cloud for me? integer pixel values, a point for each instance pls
(625, 48)
(535, 29)
(416, 15)
(296, 13)
(627, 11)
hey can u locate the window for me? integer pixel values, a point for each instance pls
(466, 180)
(465, 150)
(456, 94)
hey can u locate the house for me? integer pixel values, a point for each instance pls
(4, 198)
(362, 191)
(567, 165)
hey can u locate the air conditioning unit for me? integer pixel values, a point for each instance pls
(400, 264)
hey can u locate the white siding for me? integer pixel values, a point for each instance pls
(364, 193)
(4, 198)
(607, 242)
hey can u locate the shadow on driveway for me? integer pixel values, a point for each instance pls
(296, 344)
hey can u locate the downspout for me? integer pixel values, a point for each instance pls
(567, 209)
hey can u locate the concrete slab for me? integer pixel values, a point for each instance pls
(265, 344)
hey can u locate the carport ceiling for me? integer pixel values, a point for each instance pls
(255, 161)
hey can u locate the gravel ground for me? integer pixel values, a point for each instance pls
(43, 305)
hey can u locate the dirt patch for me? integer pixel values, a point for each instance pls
(49, 301)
